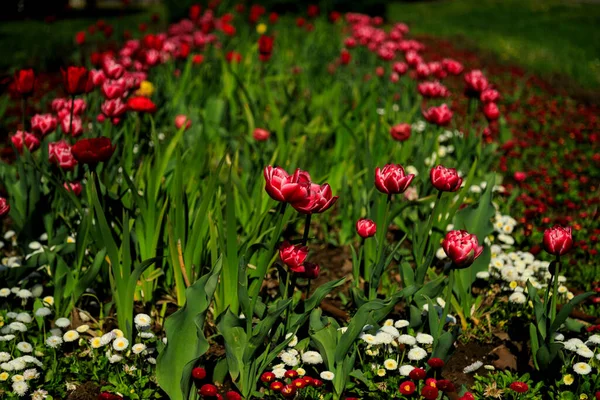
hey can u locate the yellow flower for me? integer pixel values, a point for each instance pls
(568, 379)
(261, 28)
(4, 376)
(118, 333)
(146, 89)
(48, 300)
(381, 372)
(583, 396)
(301, 371)
(96, 342)
(513, 284)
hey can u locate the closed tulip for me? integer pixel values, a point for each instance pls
(4, 207)
(489, 96)
(491, 111)
(366, 228)
(24, 81)
(445, 179)
(74, 187)
(462, 248)
(345, 57)
(76, 80)
(265, 47)
(284, 187)
(392, 179)
(182, 121)
(75, 128)
(260, 134)
(558, 240)
(475, 82)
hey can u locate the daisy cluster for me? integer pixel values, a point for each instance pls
(585, 356)
(30, 338)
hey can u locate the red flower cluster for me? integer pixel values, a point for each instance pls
(292, 383)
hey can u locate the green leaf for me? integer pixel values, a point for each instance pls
(566, 310)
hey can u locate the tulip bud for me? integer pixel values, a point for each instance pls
(445, 179)
(24, 81)
(76, 80)
(491, 111)
(199, 373)
(260, 134)
(400, 132)
(366, 228)
(392, 179)
(462, 248)
(311, 271)
(475, 82)
(74, 187)
(558, 240)
(182, 120)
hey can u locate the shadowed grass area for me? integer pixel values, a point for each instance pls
(548, 37)
(47, 45)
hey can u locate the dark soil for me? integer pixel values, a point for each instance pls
(87, 391)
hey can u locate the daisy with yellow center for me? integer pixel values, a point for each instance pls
(96, 342)
(568, 379)
(4, 376)
(118, 333)
(381, 372)
(48, 300)
(261, 28)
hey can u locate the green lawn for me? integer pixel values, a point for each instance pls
(549, 37)
(43, 45)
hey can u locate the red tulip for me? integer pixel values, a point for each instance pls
(76, 80)
(208, 390)
(195, 11)
(491, 111)
(413, 58)
(182, 120)
(417, 374)
(438, 115)
(519, 387)
(260, 134)
(113, 108)
(433, 90)
(452, 67)
(293, 256)
(345, 57)
(198, 373)
(311, 271)
(93, 151)
(407, 388)
(24, 81)
(197, 59)
(59, 153)
(366, 228)
(489, 96)
(233, 57)
(334, 16)
(80, 37)
(58, 104)
(318, 199)
(445, 179)
(429, 392)
(462, 248)
(21, 138)
(74, 187)
(141, 104)
(265, 47)
(558, 240)
(392, 179)
(400, 68)
(520, 176)
(74, 129)
(400, 132)
(4, 207)
(273, 17)
(475, 82)
(43, 124)
(435, 362)
(312, 11)
(284, 187)
(112, 89)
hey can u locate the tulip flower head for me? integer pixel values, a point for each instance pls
(366, 228)
(93, 151)
(23, 139)
(445, 179)
(462, 248)
(319, 199)
(284, 187)
(76, 80)
(293, 256)
(558, 240)
(182, 120)
(261, 135)
(4, 207)
(265, 47)
(43, 124)
(24, 81)
(400, 132)
(141, 104)
(392, 179)
(59, 153)
(440, 115)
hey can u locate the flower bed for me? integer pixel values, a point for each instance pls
(251, 205)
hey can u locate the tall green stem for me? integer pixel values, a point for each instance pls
(555, 290)
(306, 229)
(448, 300)
(430, 225)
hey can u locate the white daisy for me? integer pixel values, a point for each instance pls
(401, 323)
(416, 354)
(585, 351)
(390, 364)
(327, 375)
(582, 368)
(407, 339)
(20, 388)
(30, 374)
(384, 338)
(142, 321)
(120, 344)
(5, 292)
(24, 347)
(62, 322)
(390, 330)
(289, 359)
(424, 338)
(24, 294)
(405, 370)
(4, 356)
(43, 312)
(138, 348)
(517, 298)
(312, 357)
(279, 372)
(54, 341)
(294, 340)
(115, 358)
(71, 336)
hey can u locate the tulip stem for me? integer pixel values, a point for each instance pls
(430, 225)
(72, 110)
(306, 229)
(23, 110)
(448, 300)
(554, 291)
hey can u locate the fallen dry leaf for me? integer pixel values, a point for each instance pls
(506, 359)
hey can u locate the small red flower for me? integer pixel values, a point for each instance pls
(208, 390)
(429, 393)
(80, 37)
(265, 47)
(407, 388)
(24, 81)
(276, 386)
(25, 139)
(199, 373)
(435, 362)
(445, 386)
(141, 104)
(260, 135)
(288, 391)
(197, 59)
(231, 395)
(74, 187)
(267, 377)
(345, 57)
(417, 374)
(519, 387)
(182, 120)
(400, 132)
(475, 82)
